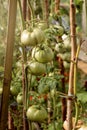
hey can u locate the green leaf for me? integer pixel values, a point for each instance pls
(82, 97)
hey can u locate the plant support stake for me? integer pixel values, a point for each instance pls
(71, 74)
(8, 64)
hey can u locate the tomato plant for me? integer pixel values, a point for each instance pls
(42, 62)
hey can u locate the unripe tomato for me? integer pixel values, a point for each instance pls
(60, 48)
(25, 38)
(37, 68)
(43, 54)
(66, 64)
(14, 90)
(39, 35)
(36, 113)
(67, 43)
(65, 56)
(20, 98)
(28, 38)
(60, 30)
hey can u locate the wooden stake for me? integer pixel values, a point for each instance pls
(57, 5)
(84, 18)
(46, 10)
(8, 64)
(71, 74)
(24, 8)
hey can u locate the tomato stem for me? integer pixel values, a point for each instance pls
(52, 6)
(75, 89)
(54, 110)
(22, 19)
(32, 12)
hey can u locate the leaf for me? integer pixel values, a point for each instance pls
(47, 83)
(82, 97)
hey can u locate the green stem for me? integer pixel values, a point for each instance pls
(75, 89)
(32, 12)
(43, 9)
(30, 125)
(22, 19)
(29, 89)
(75, 67)
(54, 110)
(26, 82)
(51, 7)
(23, 48)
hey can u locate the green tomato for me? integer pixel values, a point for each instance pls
(28, 38)
(37, 68)
(43, 54)
(20, 98)
(60, 48)
(60, 30)
(66, 64)
(36, 113)
(33, 39)
(65, 56)
(14, 90)
(39, 35)
(67, 43)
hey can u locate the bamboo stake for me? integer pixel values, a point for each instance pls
(10, 121)
(46, 10)
(8, 64)
(57, 5)
(29, 14)
(24, 8)
(84, 16)
(71, 74)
